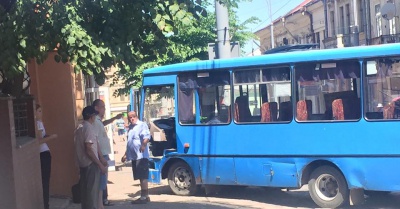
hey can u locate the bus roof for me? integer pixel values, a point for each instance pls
(281, 58)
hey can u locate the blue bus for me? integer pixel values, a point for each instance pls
(326, 118)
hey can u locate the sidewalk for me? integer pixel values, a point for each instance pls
(121, 187)
(59, 203)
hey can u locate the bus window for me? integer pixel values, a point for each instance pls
(204, 98)
(159, 103)
(382, 89)
(262, 95)
(328, 91)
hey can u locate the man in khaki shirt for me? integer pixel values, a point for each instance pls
(90, 160)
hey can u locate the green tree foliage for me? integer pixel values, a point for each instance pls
(92, 35)
(191, 42)
(131, 35)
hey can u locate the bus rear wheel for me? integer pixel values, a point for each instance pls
(328, 187)
(181, 179)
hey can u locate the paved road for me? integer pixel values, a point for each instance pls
(122, 190)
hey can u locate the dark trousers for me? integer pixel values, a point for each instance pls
(45, 164)
(89, 184)
(105, 195)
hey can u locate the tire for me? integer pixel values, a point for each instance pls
(181, 179)
(328, 187)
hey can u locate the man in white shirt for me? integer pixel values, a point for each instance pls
(104, 143)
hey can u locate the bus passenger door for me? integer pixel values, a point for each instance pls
(204, 117)
(159, 113)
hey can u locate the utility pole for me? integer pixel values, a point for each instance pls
(325, 20)
(223, 39)
(269, 3)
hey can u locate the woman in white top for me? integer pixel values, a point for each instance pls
(45, 157)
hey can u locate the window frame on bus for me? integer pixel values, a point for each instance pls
(197, 107)
(260, 118)
(335, 65)
(380, 106)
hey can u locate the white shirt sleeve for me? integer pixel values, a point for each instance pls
(40, 127)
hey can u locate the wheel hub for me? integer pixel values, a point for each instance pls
(327, 187)
(182, 178)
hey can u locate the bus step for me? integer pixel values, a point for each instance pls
(166, 151)
(154, 176)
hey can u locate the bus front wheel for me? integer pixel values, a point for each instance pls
(181, 179)
(328, 188)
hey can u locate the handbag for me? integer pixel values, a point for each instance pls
(76, 193)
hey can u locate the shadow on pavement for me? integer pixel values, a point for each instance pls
(267, 195)
(122, 204)
(276, 196)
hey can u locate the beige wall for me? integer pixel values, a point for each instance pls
(118, 104)
(7, 188)
(21, 185)
(54, 86)
(28, 178)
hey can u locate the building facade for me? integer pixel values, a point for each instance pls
(336, 23)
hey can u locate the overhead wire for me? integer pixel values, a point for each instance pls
(272, 14)
(253, 42)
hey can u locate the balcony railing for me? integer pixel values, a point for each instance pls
(332, 42)
(346, 40)
(385, 39)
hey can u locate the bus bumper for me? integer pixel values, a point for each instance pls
(154, 176)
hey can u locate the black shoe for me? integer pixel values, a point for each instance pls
(148, 199)
(140, 201)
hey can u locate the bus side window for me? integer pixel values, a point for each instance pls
(320, 84)
(259, 94)
(382, 88)
(203, 98)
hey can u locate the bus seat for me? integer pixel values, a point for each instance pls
(388, 111)
(285, 111)
(351, 107)
(309, 108)
(301, 110)
(337, 109)
(265, 112)
(396, 109)
(242, 109)
(273, 108)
